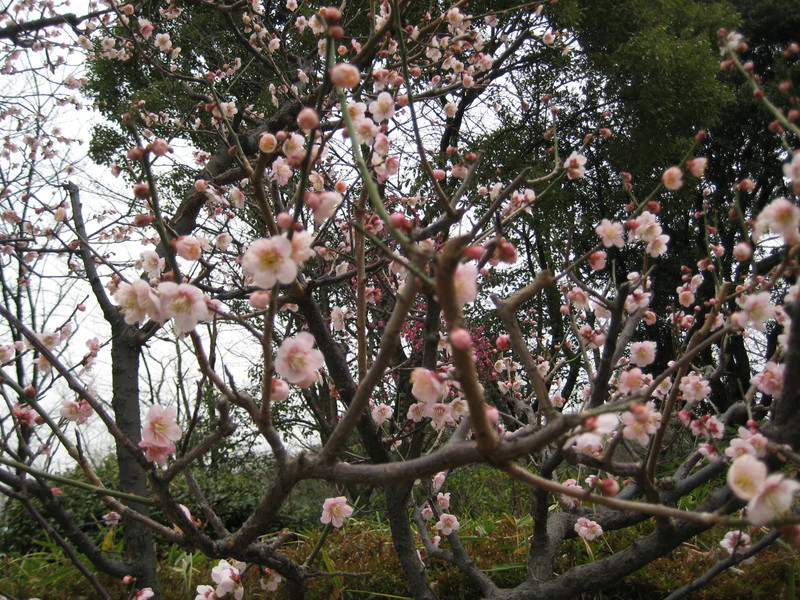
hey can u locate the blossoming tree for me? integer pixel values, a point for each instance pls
(348, 237)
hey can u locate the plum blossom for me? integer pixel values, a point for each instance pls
(641, 421)
(792, 172)
(631, 381)
(465, 283)
(345, 75)
(228, 579)
(381, 413)
(160, 425)
(768, 496)
(672, 178)
(151, 263)
(335, 511)
(756, 308)
(426, 385)
(781, 216)
(574, 164)
(188, 247)
(137, 301)
(185, 303)
(774, 498)
(735, 540)
(382, 109)
(269, 261)
(770, 380)
(643, 353)
(79, 412)
(206, 592)
(611, 233)
(298, 361)
(270, 579)
(588, 529)
(694, 388)
(447, 524)
(111, 519)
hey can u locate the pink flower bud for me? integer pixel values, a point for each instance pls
(135, 153)
(503, 342)
(159, 147)
(439, 174)
(267, 143)
(460, 339)
(345, 75)
(141, 190)
(201, 185)
(260, 299)
(308, 119)
(285, 220)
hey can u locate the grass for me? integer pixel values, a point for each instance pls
(363, 550)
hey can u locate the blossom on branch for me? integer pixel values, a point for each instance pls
(298, 361)
(335, 511)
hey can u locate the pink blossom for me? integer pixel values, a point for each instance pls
(588, 529)
(185, 303)
(111, 519)
(597, 260)
(742, 251)
(298, 361)
(138, 301)
(416, 412)
(775, 497)
(281, 171)
(269, 261)
(735, 540)
(157, 453)
(643, 353)
(328, 203)
(694, 388)
(79, 412)
(335, 511)
(439, 414)
(160, 425)
(746, 476)
(641, 421)
(206, 592)
(438, 481)
(270, 580)
(302, 250)
(426, 385)
(447, 524)
(443, 500)
(631, 381)
(770, 380)
(571, 501)
(381, 413)
(672, 178)
(228, 579)
(792, 172)
(144, 594)
(756, 308)
(611, 233)
(279, 390)
(188, 247)
(345, 75)
(781, 216)
(697, 165)
(382, 109)
(465, 283)
(574, 164)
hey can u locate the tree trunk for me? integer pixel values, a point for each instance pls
(137, 539)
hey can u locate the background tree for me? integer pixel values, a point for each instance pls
(347, 227)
